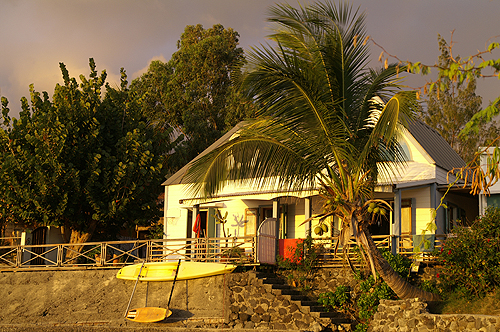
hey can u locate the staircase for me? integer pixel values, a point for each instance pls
(304, 303)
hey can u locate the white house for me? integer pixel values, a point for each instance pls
(413, 192)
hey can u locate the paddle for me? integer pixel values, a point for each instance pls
(135, 286)
(147, 314)
(175, 278)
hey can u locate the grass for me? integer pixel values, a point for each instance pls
(459, 304)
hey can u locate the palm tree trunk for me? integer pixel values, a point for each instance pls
(402, 288)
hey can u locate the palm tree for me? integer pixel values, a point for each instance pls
(323, 123)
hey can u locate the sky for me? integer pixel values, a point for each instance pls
(35, 36)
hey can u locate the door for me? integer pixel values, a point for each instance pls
(267, 235)
(406, 225)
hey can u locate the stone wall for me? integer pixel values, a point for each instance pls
(258, 303)
(412, 315)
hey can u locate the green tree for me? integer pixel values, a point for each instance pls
(323, 123)
(193, 93)
(80, 161)
(450, 109)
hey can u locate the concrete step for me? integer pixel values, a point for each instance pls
(290, 291)
(274, 281)
(281, 286)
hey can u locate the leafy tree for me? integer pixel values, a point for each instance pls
(469, 260)
(80, 161)
(193, 93)
(450, 109)
(323, 123)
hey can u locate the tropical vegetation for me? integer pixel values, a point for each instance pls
(84, 161)
(326, 121)
(192, 93)
(449, 109)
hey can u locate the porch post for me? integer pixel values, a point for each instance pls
(276, 214)
(308, 214)
(396, 223)
(439, 222)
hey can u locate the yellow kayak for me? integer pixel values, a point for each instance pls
(165, 271)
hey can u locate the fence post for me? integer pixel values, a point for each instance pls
(59, 257)
(19, 256)
(104, 253)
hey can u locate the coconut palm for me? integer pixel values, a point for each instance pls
(326, 122)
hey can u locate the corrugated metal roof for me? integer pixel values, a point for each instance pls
(431, 141)
(436, 146)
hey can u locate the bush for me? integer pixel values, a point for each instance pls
(339, 299)
(471, 259)
(365, 303)
(304, 260)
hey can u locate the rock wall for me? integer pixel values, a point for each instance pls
(266, 303)
(412, 315)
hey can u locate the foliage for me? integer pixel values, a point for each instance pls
(337, 300)
(193, 92)
(448, 111)
(470, 259)
(363, 300)
(81, 161)
(460, 70)
(305, 258)
(372, 291)
(399, 263)
(155, 231)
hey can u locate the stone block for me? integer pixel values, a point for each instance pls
(243, 316)
(301, 324)
(249, 325)
(263, 326)
(259, 310)
(292, 308)
(278, 326)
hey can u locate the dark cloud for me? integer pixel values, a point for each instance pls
(36, 35)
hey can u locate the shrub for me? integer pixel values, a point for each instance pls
(471, 259)
(365, 303)
(339, 299)
(304, 260)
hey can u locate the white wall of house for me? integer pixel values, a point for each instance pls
(421, 212)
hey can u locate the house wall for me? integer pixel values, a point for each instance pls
(175, 215)
(421, 207)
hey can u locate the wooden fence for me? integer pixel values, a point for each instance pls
(237, 250)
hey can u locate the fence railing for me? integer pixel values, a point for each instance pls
(238, 250)
(118, 253)
(407, 243)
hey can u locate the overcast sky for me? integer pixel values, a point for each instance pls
(36, 35)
